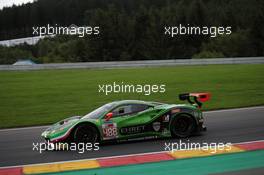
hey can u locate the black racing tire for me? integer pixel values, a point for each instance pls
(85, 133)
(182, 125)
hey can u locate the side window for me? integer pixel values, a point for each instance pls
(139, 107)
(129, 109)
(122, 110)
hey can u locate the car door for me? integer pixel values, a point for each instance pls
(130, 119)
(120, 114)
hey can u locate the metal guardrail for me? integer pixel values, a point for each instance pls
(29, 40)
(143, 63)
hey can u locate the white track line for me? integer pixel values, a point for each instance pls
(235, 109)
(16, 166)
(24, 128)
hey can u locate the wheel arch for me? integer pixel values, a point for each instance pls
(84, 123)
(185, 113)
(179, 113)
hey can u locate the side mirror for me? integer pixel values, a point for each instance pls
(108, 116)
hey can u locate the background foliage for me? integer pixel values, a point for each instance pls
(133, 29)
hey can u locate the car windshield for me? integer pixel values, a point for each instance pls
(99, 111)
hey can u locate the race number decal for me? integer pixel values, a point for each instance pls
(109, 130)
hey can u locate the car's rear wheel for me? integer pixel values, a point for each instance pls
(85, 133)
(182, 125)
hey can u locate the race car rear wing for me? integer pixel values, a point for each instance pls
(195, 98)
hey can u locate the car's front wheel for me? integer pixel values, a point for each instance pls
(182, 125)
(85, 133)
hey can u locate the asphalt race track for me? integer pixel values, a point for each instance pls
(235, 125)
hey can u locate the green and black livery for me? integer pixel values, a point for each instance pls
(132, 119)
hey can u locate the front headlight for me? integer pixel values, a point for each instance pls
(44, 134)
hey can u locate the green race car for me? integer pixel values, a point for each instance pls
(131, 119)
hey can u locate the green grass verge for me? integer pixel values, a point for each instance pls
(43, 97)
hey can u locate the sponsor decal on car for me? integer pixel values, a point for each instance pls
(132, 129)
(156, 126)
(166, 118)
(109, 130)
